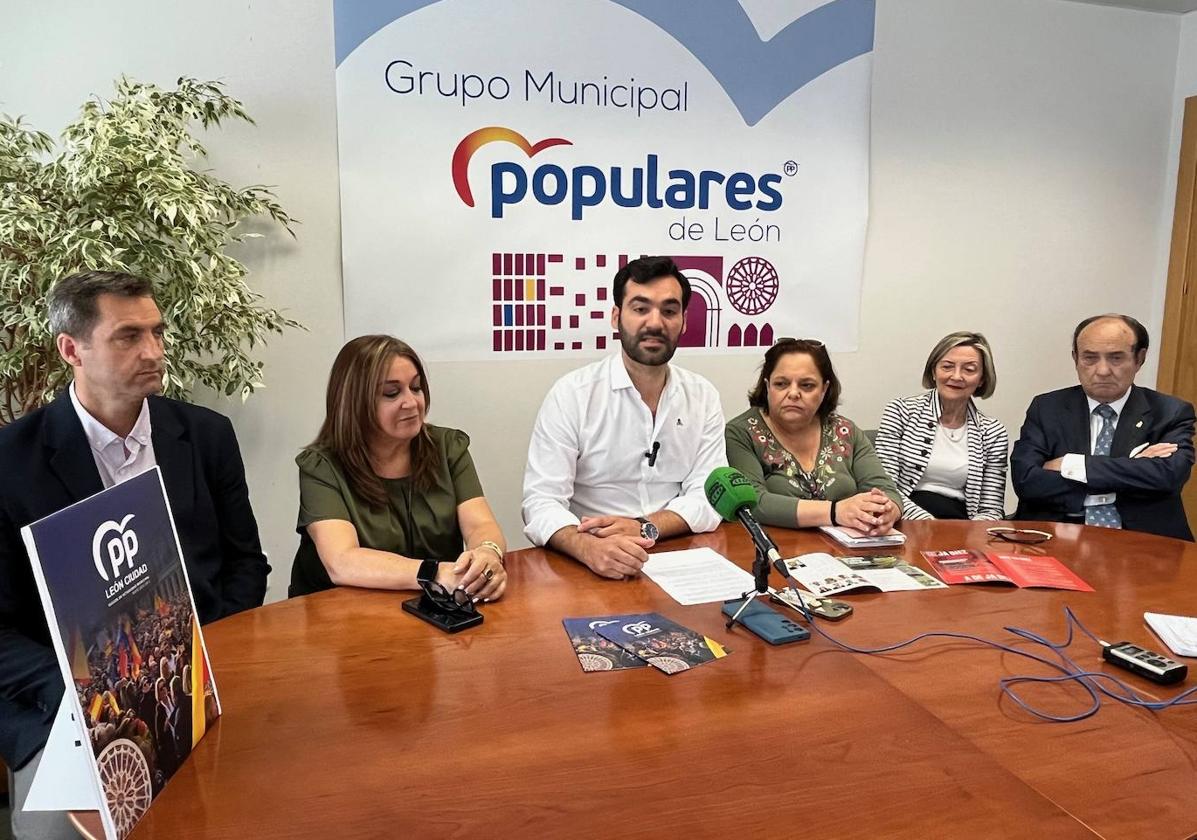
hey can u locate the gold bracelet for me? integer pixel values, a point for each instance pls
(494, 546)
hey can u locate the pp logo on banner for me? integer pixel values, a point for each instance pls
(120, 549)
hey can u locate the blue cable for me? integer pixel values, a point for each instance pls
(1093, 682)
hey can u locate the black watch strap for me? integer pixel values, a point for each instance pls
(427, 572)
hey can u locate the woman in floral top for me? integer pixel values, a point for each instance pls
(810, 466)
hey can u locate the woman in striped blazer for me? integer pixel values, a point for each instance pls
(947, 458)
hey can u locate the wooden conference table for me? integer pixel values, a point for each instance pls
(346, 717)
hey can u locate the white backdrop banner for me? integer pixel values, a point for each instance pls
(500, 161)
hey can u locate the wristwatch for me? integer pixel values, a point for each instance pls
(427, 572)
(647, 529)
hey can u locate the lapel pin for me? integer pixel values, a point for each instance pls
(1139, 425)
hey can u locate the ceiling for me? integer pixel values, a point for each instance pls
(1173, 6)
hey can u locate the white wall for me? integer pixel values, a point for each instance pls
(1020, 181)
(1186, 61)
(1185, 85)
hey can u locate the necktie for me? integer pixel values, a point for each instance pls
(1103, 516)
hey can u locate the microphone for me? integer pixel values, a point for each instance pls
(732, 496)
(652, 456)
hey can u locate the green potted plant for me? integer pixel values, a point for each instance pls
(120, 194)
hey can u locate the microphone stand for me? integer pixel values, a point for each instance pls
(760, 576)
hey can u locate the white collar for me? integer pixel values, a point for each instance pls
(100, 436)
(1117, 404)
(621, 379)
(970, 410)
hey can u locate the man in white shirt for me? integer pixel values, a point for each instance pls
(1107, 452)
(622, 447)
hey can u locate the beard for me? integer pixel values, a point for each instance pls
(650, 356)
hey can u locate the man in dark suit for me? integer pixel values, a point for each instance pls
(1106, 452)
(109, 426)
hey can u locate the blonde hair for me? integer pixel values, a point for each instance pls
(964, 339)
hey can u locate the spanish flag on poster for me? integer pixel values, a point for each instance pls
(95, 707)
(199, 679)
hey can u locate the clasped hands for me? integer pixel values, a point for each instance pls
(872, 512)
(617, 550)
(1155, 450)
(480, 572)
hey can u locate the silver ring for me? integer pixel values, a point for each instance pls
(488, 574)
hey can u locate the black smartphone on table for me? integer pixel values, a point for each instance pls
(451, 621)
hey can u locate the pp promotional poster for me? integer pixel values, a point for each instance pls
(120, 612)
(500, 161)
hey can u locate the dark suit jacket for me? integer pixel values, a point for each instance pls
(1148, 488)
(46, 464)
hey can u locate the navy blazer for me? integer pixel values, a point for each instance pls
(1148, 489)
(47, 464)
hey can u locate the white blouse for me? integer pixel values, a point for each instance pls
(947, 467)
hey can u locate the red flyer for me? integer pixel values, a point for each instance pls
(964, 566)
(1031, 570)
(1021, 570)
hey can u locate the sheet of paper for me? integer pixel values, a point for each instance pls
(1179, 632)
(697, 576)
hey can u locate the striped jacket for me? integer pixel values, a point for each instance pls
(904, 443)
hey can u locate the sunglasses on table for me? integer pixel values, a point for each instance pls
(456, 601)
(1022, 536)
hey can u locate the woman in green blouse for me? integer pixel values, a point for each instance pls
(386, 500)
(809, 465)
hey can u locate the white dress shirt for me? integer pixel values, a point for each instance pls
(1072, 466)
(118, 458)
(587, 453)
